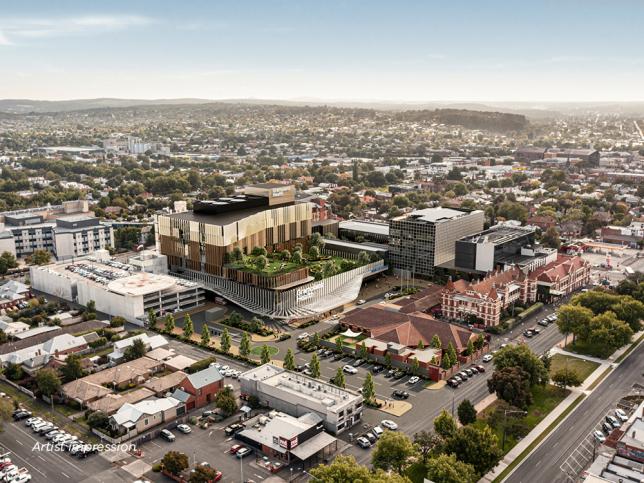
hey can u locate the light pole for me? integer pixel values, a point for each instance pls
(241, 469)
(505, 423)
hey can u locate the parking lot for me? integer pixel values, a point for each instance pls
(583, 454)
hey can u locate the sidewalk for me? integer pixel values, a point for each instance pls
(556, 412)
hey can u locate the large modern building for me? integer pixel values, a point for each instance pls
(423, 239)
(296, 394)
(198, 245)
(501, 246)
(116, 288)
(67, 231)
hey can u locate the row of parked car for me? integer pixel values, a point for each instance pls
(548, 320)
(62, 439)
(226, 371)
(464, 375)
(368, 439)
(610, 423)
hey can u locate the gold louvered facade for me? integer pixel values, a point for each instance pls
(201, 246)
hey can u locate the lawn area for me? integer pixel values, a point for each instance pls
(277, 266)
(545, 399)
(588, 349)
(257, 350)
(581, 367)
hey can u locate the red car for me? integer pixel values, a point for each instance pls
(480, 368)
(235, 448)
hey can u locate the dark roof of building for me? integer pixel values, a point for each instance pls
(420, 301)
(499, 234)
(220, 219)
(268, 185)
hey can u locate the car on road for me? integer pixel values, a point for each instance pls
(303, 335)
(480, 368)
(31, 421)
(358, 362)
(243, 452)
(234, 429)
(20, 415)
(552, 317)
(372, 439)
(543, 322)
(400, 394)
(349, 369)
(528, 333)
(167, 435)
(389, 424)
(487, 357)
(184, 428)
(339, 356)
(613, 421)
(599, 436)
(361, 302)
(453, 383)
(458, 379)
(413, 380)
(621, 415)
(607, 427)
(474, 370)
(469, 372)
(463, 375)
(535, 330)
(363, 442)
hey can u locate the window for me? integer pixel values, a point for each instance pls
(145, 421)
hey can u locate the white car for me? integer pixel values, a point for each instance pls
(184, 428)
(389, 424)
(377, 431)
(303, 335)
(599, 436)
(487, 357)
(621, 415)
(361, 302)
(413, 380)
(24, 478)
(349, 369)
(7, 469)
(31, 421)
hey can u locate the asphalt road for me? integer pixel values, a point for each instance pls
(544, 464)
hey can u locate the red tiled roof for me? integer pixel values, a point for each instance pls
(486, 286)
(562, 266)
(407, 329)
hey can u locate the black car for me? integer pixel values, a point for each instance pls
(390, 373)
(372, 439)
(400, 394)
(607, 427)
(300, 368)
(328, 353)
(234, 429)
(528, 333)
(377, 369)
(399, 375)
(21, 415)
(338, 356)
(452, 383)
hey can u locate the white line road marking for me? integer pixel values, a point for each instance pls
(27, 463)
(20, 443)
(66, 476)
(54, 454)
(42, 458)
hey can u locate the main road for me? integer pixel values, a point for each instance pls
(543, 464)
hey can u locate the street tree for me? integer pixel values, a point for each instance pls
(315, 366)
(174, 462)
(425, 443)
(444, 425)
(338, 379)
(446, 468)
(512, 384)
(265, 357)
(466, 412)
(521, 356)
(72, 369)
(575, 320)
(224, 342)
(475, 446)
(188, 327)
(564, 379)
(368, 390)
(47, 381)
(392, 452)
(244, 345)
(169, 324)
(289, 360)
(205, 335)
(346, 469)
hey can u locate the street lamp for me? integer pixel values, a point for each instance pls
(505, 422)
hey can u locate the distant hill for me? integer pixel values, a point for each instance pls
(491, 121)
(24, 106)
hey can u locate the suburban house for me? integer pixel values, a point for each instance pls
(151, 343)
(34, 357)
(11, 328)
(133, 419)
(198, 389)
(111, 403)
(165, 384)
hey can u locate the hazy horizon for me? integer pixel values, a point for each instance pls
(357, 51)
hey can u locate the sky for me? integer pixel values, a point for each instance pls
(396, 50)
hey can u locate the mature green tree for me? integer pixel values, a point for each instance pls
(72, 369)
(368, 389)
(420, 345)
(451, 351)
(425, 442)
(512, 384)
(466, 412)
(606, 330)
(345, 469)
(479, 342)
(392, 452)
(470, 348)
(202, 474)
(444, 425)
(630, 311)
(315, 366)
(447, 469)
(338, 379)
(446, 363)
(174, 462)
(224, 342)
(388, 359)
(261, 262)
(169, 324)
(117, 321)
(314, 253)
(40, 257)
(475, 446)
(266, 355)
(289, 360)
(48, 381)
(574, 319)
(226, 401)
(9, 259)
(598, 301)
(564, 379)
(135, 351)
(188, 327)
(205, 335)
(415, 367)
(244, 345)
(363, 353)
(551, 238)
(522, 357)
(315, 340)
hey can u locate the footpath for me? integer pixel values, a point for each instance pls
(586, 388)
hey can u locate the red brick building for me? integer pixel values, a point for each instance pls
(200, 388)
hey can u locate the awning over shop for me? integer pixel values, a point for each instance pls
(351, 334)
(313, 446)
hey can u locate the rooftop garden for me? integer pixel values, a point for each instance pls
(320, 266)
